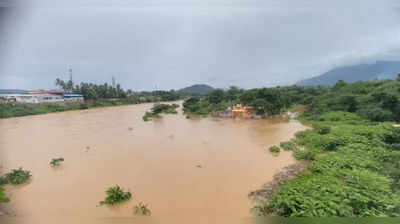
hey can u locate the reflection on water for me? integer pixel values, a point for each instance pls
(179, 167)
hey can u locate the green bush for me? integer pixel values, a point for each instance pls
(361, 194)
(288, 146)
(56, 162)
(305, 154)
(3, 197)
(116, 195)
(322, 129)
(339, 116)
(354, 171)
(17, 177)
(141, 209)
(159, 108)
(274, 149)
(3, 181)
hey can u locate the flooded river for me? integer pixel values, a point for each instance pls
(179, 167)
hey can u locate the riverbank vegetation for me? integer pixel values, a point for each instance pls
(15, 177)
(265, 101)
(95, 95)
(160, 108)
(352, 155)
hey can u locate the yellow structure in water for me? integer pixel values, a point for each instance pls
(241, 111)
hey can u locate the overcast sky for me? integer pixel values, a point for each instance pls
(176, 43)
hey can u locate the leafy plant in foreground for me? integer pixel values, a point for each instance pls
(116, 195)
(141, 209)
(18, 176)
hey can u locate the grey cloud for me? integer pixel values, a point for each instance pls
(175, 43)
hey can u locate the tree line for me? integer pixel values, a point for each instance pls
(91, 91)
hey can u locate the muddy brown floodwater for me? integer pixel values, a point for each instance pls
(179, 167)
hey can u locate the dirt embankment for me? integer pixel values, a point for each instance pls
(287, 173)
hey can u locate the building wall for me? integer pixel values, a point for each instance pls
(31, 98)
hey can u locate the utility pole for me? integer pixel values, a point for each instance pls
(113, 81)
(71, 82)
(70, 74)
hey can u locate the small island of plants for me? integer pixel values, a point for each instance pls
(141, 209)
(56, 162)
(116, 195)
(160, 108)
(15, 177)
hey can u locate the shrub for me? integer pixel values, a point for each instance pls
(306, 154)
(159, 108)
(116, 195)
(332, 143)
(361, 194)
(274, 149)
(322, 129)
(339, 116)
(3, 197)
(147, 116)
(56, 162)
(3, 181)
(288, 146)
(18, 176)
(141, 209)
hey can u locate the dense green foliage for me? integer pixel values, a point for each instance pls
(141, 209)
(374, 100)
(266, 101)
(353, 171)
(352, 151)
(160, 108)
(116, 195)
(288, 146)
(377, 100)
(91, 91)
(16, 177)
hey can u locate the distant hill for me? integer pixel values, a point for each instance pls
(360, 72)
(201, 89)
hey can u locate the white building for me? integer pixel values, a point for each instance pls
(31, 98)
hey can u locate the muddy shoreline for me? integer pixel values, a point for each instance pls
(286, 174)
